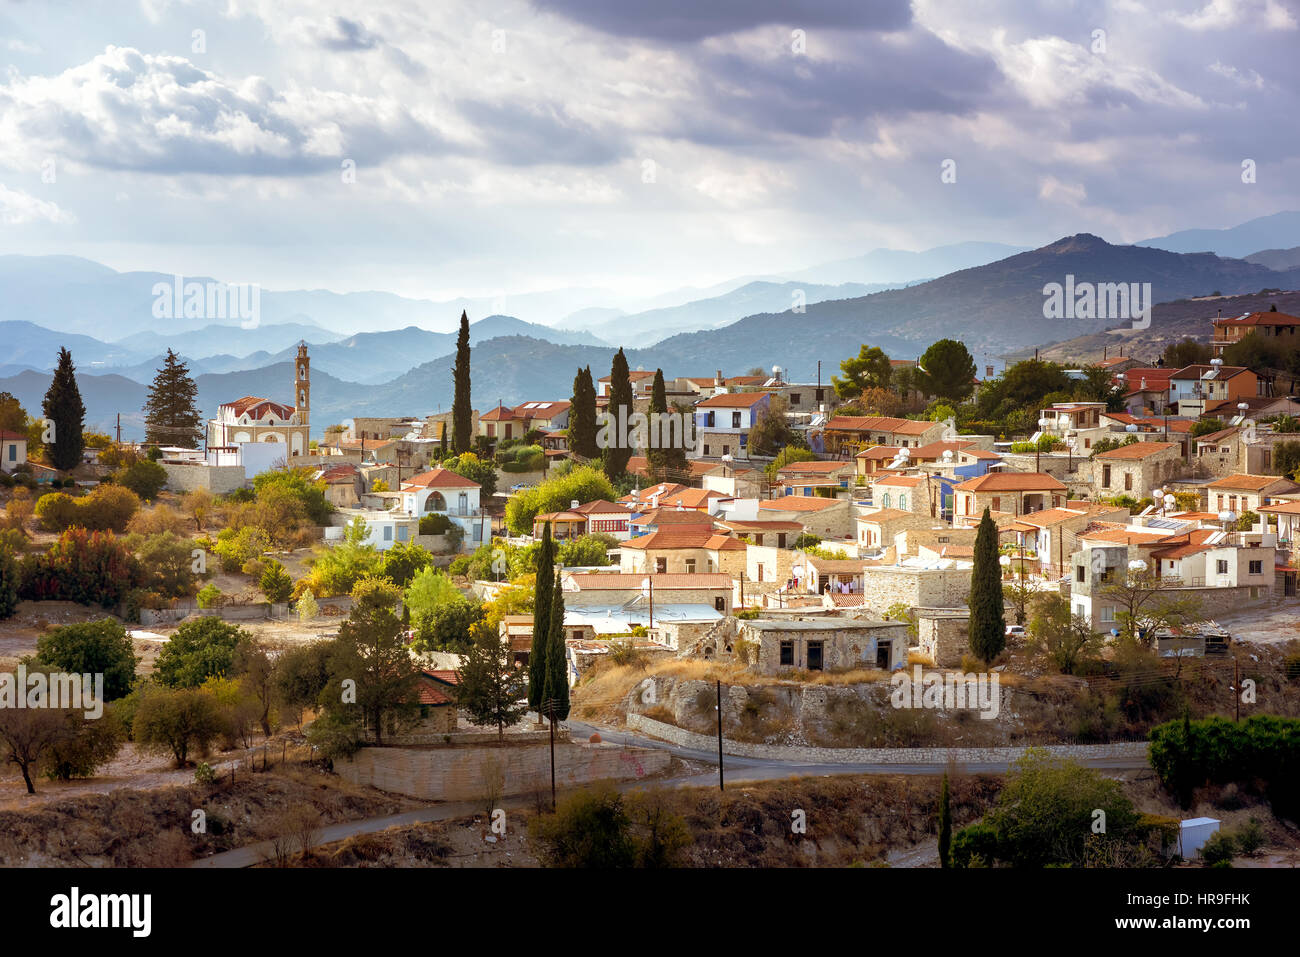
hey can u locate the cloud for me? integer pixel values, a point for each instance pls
(693, 20)
(127, 110)
(18, 208)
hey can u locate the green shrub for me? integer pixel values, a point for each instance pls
(1219, 848)
(435, 524)
(145, 478)
(91, 647)
(275, 582)
(209, 596)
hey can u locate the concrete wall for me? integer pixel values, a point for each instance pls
(466, 772)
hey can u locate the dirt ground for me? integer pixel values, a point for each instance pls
(1265, 626)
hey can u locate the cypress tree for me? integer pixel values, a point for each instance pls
(557, 667)
(945, 823)
(461, 413)
(66, 413)
(988, 628)
(654, 456)
(442, 445)
(537, 658)
(171, 416)
(615, 454)
(582, 416)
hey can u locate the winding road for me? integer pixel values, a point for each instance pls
(736, 770)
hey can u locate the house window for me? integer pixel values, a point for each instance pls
(690, 566)
(478, 532)
(1107, 612)
(902, 500)
(719, 604)
(402, 533)
(726, 450)
(997, 503)
(1257, 568)
(708, 419)
(388, 533)
(760, 572)
(1079, 573)
(661, 565)
(1222, 566)
(706, 448)
(821, 394)
(492, 431)
(794, 398)
(787, 652)
(1105, 476)
(1128, 481)
(884, 500)
(735, 420)
(815, 655)
(780, 540)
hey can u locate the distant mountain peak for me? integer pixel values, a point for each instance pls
(1078, 243)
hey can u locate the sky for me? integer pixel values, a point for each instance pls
(449, 148)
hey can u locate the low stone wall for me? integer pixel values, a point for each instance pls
(186, 477)
(183, 610)
(469, 773)
(704, 742)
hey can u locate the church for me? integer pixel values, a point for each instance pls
(255, 419)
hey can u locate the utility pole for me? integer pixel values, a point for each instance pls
(651, 580)
(119, 428)
(721, 786)
(1236, 686)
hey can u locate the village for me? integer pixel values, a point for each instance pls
(757, 587)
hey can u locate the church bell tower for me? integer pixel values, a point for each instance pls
(302, 385)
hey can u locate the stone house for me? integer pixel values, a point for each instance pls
(880, 528)
(943, 634)
(1241, 493)
(1135, 470)
(683, 549)
(1014, 493)
(824, 517)
(824, 644)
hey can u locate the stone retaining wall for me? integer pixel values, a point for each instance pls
(472, 773)
(704, 742)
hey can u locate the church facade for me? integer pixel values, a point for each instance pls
(256, 419)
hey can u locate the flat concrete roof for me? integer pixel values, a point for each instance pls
(826, 624)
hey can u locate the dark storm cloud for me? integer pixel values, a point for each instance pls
(344, 34)
(680, 21)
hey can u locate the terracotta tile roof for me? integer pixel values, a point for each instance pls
(881, 515)
(438, 478)
(837, 566)
(935, 450)
(540, 410)
(601, 507)
(879, 423)
(900, 481)
(545, 517)
(879, 452)
(1125, 535)
(1197, 371)
(1253, 483)
(684, 536)
(256, 407)
(436, 687)
(801, 503)
(500, 414)
(1138, 450)
(732, 400)
(602, 581)
(760, 525)
(693, 498)
(1213, 437)
(673, 516)
(1011, 482)
(818, 467)
(840, 600)
(637, 465)
(644, 496)
(1278, 508)
(6, 434)
(1259, 319)
(1052, 516)
(632, 376)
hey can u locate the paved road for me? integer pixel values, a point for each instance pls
(736, 770)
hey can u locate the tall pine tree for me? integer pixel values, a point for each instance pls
(171, 416)
(988, 628)
(654, 455)
(66, 413)
(557, 663)
(616, 452)
(461, 412)
(537, 659)
(582, 416)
